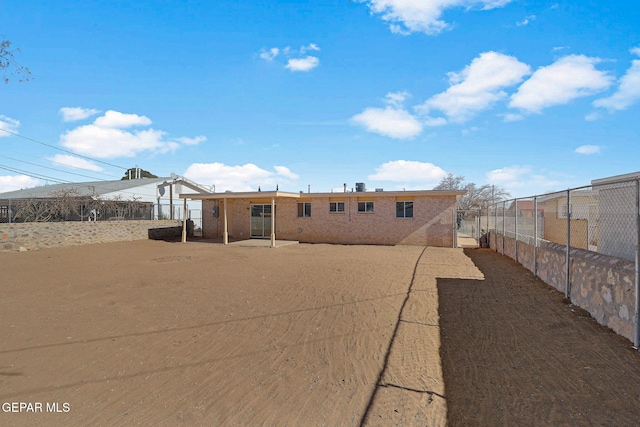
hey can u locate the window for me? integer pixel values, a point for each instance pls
(304, 210)
(404, 209)
(366, 207)
(336, 206)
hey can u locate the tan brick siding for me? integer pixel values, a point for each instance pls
(432, 223)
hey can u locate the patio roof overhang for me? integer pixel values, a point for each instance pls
(242, 195)
(278, 194)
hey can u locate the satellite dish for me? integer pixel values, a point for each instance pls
(161, 189)
(173, 175)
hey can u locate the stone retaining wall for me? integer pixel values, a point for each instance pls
(601, 284)
(38, 235)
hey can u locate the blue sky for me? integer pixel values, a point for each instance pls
(528, 95)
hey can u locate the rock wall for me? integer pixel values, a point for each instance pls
(601, 284)
(39, 235)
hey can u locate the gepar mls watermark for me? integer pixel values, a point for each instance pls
(59, 407)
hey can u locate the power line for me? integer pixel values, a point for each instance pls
(61, 149)
(46, 167)
(34, 175)
(110, 176)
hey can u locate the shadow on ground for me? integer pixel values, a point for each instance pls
(514, 352)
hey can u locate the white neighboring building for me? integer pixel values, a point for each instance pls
(161, 192)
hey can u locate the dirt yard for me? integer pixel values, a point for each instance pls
(158, 333)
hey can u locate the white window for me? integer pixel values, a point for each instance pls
(404, 209)
(336, 206)
(304, 210)
(365, 207)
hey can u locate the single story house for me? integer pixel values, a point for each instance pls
(425, 217)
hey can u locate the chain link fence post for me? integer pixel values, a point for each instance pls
(504, 229)
(636, 330)
(535, 236)
(515, 229)
(567, 292)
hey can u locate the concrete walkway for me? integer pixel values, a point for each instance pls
(262, 243)
(465, 241)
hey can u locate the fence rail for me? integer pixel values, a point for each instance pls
(30, 211)
(602, 218)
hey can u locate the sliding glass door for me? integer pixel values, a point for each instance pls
(261, 221)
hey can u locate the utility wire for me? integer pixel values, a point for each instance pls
(46, 167)
(61, 149)
(34, 175)
(59, 163)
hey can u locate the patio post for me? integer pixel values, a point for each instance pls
(184, 222)
(273, 222)
(225, 234)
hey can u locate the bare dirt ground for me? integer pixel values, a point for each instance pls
(158, 333)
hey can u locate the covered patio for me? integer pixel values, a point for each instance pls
(263, 213)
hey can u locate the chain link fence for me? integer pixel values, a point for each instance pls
(61, 209)
(602, 218)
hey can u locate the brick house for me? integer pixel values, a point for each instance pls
(423, 217)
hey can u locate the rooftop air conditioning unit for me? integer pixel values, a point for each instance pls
(360, 187)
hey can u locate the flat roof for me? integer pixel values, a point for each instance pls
(616, 179)
(277, 194)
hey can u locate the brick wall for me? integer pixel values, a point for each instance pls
(432, 222)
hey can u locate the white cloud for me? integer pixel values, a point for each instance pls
(302, 64)
(247, 177)
(296, 61)
(192, 141)
(392, 122)
(570, 77)
(16, 182)
(270, 54)
(592, 117)
(311, 46)
(409, 174)
(285, 172)
(106, 137)
(526, 21)
(470, 130)
(72, 114)
(7, 123)
(396, 99)
(522, 181)
(628, 92)
(588, 149)
(510, 117)
(477, 87)
(74, 162)
(435, 121)
(407, 16)
(115, 119)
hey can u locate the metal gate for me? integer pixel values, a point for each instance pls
(467, 227)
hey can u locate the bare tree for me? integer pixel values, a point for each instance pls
(70, 205)
(32, 210)
(8, 64)
(476, 197)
